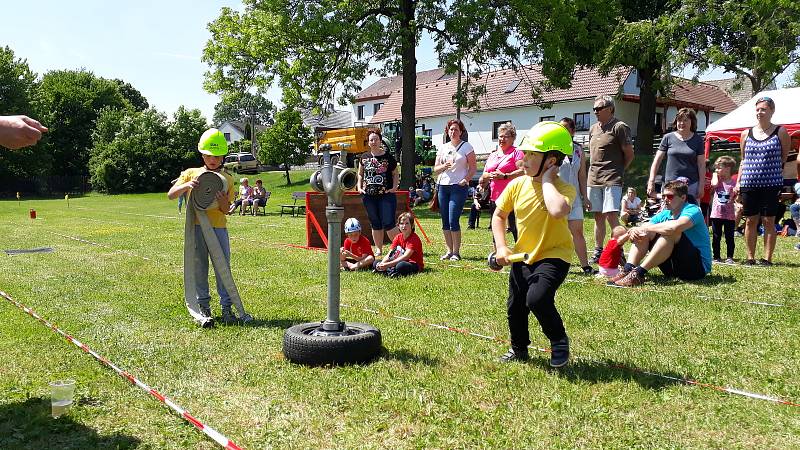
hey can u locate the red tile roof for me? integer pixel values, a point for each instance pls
(385, 86)
(705, 94)
(435, 98)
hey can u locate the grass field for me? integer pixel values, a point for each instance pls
(431, 388)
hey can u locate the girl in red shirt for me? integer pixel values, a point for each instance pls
(405, 256)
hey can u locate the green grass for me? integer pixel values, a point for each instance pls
(430, 388)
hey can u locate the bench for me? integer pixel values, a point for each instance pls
(294, 208)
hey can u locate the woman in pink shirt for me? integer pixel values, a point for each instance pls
(501, 168)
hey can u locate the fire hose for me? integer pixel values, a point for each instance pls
(201, 199)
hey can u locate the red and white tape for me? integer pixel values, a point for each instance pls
(208, 431)
(687, 381)
(504, 341)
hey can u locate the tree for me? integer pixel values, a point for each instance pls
(757, 39)
(17, 83)
(286, 142)
(794, 79)
(321, 49)
(137, 159)
(17, 86)
(134, 97)
(644, 40)
(69, 101)
(243, 107)
(183, 133)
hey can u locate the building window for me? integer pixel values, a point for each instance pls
(582, 121)
(227, 137)
(496, 126)
(360, 114)
(376, 107)
(547, 119)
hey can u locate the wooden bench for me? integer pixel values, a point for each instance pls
(294, 208)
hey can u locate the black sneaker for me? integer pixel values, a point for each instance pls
(764, 262)
(559, 352)
(588, 270)
(749, 262)
(596, 257)
(512, 356)
(207, 321)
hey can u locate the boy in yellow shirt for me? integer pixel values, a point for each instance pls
(541, 203)
(213, 147)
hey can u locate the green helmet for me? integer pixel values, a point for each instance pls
(213, 143)
(547, 136)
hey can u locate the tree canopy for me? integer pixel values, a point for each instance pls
(286, 142)
(68, 101)
(140, 151)
(17, 89)
(757, 39)
(320, 50)
(241, 107)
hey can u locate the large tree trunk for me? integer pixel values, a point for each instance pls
(647, 111)
(408, 49)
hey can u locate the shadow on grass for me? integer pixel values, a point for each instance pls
(607, 371)
(709, 280)
(28, 425)
(273, 323)
(407, 357)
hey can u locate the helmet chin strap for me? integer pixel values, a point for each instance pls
(541, 167)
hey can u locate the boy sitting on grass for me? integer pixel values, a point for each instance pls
(405, 255)
(612, 252)
(356, 253)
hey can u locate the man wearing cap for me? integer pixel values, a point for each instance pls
(611, 152)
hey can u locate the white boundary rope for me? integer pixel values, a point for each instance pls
(426, 323)
(185, 415)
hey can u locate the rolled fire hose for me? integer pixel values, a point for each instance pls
(202, 198)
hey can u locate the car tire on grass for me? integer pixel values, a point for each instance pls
(361, 344)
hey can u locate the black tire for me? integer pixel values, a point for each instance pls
(301, 347)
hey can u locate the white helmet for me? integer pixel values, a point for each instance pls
(351, 225)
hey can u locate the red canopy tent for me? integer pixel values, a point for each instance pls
(787, 114)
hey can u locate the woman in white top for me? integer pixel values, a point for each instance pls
(455, 165)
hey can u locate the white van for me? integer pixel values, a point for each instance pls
(241, 163)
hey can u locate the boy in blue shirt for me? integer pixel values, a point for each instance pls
(676, 240)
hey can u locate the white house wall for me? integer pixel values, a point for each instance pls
(479, 125)
(369, 109)
(235, 134)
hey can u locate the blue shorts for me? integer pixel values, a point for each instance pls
(381, 210)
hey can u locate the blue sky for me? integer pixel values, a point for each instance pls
(154, 45)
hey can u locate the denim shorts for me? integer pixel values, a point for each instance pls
(381, 210)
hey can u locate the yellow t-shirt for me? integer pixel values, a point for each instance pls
(215, 216)
(540, 234)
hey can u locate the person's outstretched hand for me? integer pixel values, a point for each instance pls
(20, 131)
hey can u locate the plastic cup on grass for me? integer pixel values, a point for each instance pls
(61, 393)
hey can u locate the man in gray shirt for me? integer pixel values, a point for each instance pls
(611, 151)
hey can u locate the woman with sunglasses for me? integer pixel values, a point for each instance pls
(764, 149)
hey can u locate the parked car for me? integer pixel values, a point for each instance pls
(241, 163)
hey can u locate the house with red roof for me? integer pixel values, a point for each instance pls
(508, 97)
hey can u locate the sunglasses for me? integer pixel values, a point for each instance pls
(668, 196)
(599, 108)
